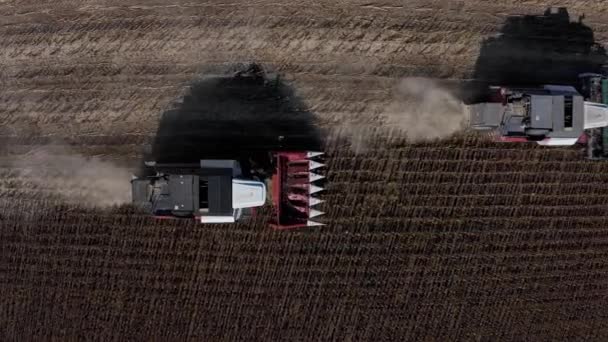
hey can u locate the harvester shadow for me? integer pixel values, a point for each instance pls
(534, 50)
(232, 117)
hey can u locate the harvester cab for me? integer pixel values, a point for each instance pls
(220, 191)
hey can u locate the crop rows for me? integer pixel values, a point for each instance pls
(138, 268)
(463, 239)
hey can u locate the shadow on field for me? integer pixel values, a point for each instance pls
(236, 113)
(537, 49)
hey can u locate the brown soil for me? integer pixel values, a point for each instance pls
(462, 239)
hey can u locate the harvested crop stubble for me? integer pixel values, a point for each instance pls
(462, 239)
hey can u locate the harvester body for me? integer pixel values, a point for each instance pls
(219, 191)
(211, 191)
(551, 115)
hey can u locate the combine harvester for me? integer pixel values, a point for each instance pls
(220, 191)
(550, 115)
(229, 190)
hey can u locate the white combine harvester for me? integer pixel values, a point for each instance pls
(219, 191)
(231, 189)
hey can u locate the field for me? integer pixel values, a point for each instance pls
(460, 239)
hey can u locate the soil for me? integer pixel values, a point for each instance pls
(458, 239)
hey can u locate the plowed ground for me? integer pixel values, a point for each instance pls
(456, 240)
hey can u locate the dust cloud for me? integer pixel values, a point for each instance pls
(425, 111)
(419, 109)
(76, 179)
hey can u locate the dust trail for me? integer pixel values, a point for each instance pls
(425, 110)
(87, 181)
(419, 109)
